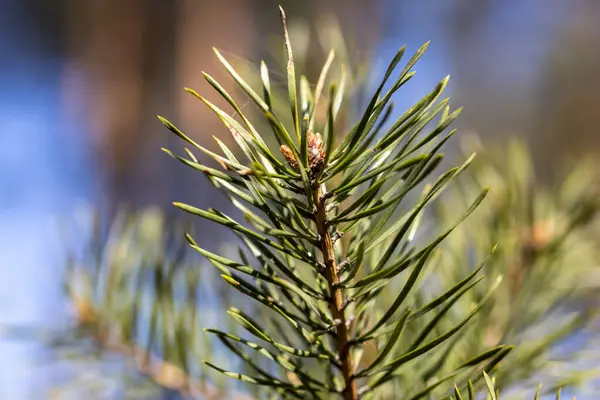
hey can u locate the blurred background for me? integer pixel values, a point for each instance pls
(81, 83)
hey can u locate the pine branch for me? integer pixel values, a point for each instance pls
(321, 178)
(335, 250)
(336, 297)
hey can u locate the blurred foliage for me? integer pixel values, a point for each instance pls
(135, 292)
(546, 270)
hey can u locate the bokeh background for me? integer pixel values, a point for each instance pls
(81, 83)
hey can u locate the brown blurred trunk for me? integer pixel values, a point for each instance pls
(105, 42)
(131, 60)
(569, 90)
(201, 26)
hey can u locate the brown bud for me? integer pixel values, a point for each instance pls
(538, 236)
(316, 154)
(289, 156)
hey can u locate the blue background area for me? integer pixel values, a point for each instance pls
(43, 174)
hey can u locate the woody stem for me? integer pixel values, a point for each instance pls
(336, 297)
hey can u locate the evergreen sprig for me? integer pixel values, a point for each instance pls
(328, 226)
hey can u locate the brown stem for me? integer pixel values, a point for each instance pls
(336, 300)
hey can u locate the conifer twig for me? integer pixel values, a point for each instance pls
(336, 300)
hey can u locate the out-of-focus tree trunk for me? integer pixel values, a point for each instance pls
(129, 61)
(104, 80)
(569, 89)
(202, 25)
